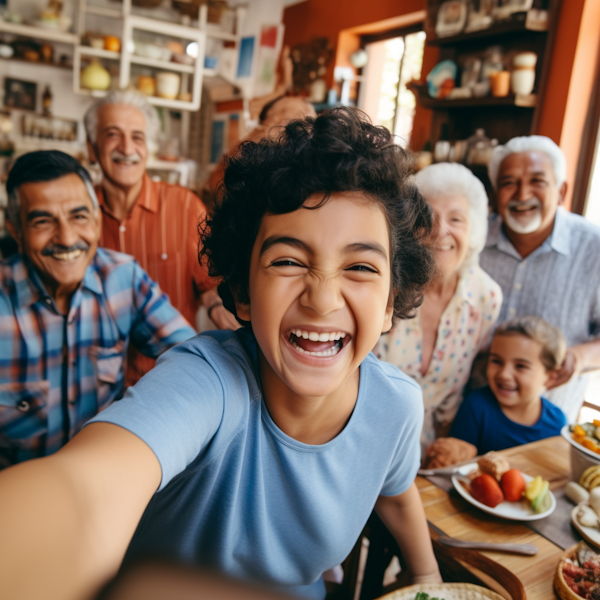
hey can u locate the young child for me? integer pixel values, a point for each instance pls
(525, 355)
(269, 446)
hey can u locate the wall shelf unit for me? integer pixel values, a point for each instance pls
(502, 118)
(39, 33)
(56, 65)
(129, 62)
(519, 24)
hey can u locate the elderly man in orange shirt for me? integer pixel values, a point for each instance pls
(154, 221)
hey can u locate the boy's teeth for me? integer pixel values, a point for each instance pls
(315, 336)
(331, 352)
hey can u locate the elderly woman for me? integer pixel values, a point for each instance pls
(461, 303)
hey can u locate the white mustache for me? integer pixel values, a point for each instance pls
(132, 159)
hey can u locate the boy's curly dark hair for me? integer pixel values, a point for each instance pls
(339, 151)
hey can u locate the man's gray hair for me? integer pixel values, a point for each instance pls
(452, 179)
(529, 143)
(127, 98)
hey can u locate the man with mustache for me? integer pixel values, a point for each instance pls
(68, 310)
(545, 258)
(153, 221)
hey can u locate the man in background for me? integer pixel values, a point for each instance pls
(153, 221)
(545, 258)
(68, 310)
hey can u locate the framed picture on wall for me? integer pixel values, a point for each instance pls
(451, 18)
(20, 94)
(481, 15)
(508, 7)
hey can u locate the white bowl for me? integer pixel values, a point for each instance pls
(152, 51)
(581, 458)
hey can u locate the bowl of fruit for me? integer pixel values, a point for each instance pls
(585, 446)
(494, 487)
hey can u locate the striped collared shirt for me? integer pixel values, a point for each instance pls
(57, 371)
(161, 233)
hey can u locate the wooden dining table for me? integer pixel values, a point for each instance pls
(455, 517)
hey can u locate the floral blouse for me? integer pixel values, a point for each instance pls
(465, 328)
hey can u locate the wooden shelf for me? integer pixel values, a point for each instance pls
(99, 52)
(40, 33)
(161, 64)
(92, 93)
(113, 13)
(175, 104)
(17, 59)
(426, 101)
(511, 100)
(516, 25)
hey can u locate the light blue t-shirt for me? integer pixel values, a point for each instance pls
(239, 495)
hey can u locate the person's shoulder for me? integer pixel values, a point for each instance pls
(480, 399)
(580, 225)
(179, 195)
(9, 270)
(106, 258)
(12, 271)
(108, 263)
(555, 413)
(389, 379)
(482, 283)
(222, 349)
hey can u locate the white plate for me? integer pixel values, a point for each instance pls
(589, 534)
(515, 511)
(567, 435)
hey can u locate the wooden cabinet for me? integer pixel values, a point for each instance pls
(502, 118)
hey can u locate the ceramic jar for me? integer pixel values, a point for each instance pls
(146, 85)
(522, 79)
(95, 77)
(500, 83)
(167, 85)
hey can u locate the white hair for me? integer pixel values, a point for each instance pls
(529, 143)
(127, 98)
(452, 179)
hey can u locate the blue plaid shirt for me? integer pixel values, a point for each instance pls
(57, 372)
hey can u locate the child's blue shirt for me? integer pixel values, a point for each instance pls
(481, 422)
(238, 494)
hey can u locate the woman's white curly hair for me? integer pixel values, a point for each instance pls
(452, 179)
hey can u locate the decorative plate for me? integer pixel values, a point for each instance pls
(441, 79)
(589, 534)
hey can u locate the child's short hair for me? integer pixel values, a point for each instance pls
(554, 347)
(339, 151)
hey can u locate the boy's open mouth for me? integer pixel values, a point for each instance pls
(506, 387)
(322, 344)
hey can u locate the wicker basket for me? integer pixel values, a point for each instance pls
(560, 585)
(447, 591)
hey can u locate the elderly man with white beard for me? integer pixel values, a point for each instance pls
(545, 258)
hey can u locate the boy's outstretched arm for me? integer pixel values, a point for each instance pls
(67, 519)
(404, 516)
